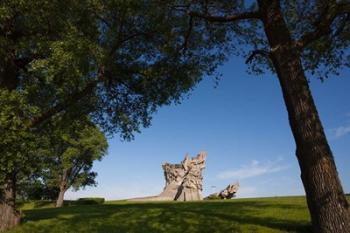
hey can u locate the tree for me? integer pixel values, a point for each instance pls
(18, 150)
(74, 150)
(116, 61)
(292, 38)
(35, 188)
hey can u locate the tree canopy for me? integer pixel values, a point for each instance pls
(121, 59)
(319, 29)
(114, 60)
(118, 61)
(74, 148)
(294, 39)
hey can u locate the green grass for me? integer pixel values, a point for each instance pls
(24, 206)
(277, 214)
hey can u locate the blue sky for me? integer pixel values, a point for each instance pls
(242, 124)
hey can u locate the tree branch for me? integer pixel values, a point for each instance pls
(74, 174)
(257, 52)
(89, 88)
(188, 33)
(228, 18)
(128, 38)
(323, 24)
(22, 62)
(63, 105)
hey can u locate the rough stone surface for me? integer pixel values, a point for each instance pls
(230, 191)
(227, 193)
(183, 182)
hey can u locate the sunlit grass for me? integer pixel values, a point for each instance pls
(278, 214)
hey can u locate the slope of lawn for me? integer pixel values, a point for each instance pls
(275, 214)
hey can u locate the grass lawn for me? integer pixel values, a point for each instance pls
(278, 214)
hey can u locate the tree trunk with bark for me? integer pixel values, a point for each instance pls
(9, 216)
(60, 199)
(327, 203)
(63, 188)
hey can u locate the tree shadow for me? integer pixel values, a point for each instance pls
(208, 216)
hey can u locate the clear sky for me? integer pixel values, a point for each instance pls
(242, 124)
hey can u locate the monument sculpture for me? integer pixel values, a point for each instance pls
(227, 193)
(183, 182)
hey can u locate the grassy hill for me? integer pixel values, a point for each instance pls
(278, 214)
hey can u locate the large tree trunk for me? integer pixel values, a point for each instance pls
(327, 203)
(60, 199)
(9, 217)
(63, 188)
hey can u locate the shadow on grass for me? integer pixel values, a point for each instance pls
(209, 216)
(39, 204)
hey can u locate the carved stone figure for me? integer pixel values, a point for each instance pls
(192, 184)
(227, 193)
(183, 182)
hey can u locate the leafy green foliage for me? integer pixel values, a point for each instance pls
(75, 147)
(19, 146)
(322, 27)
(327, 53)
(34, 188)
(116, 61)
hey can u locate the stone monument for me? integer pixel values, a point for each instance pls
(183, 182)
(227, 193)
